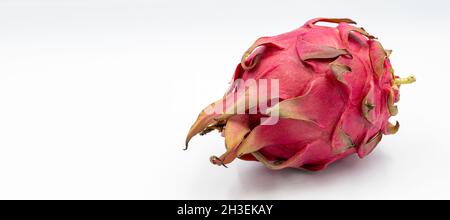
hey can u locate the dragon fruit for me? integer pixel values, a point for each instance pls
(336, 91)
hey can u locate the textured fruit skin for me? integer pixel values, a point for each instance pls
(337, 92)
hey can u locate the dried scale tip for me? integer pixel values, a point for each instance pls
(217, 161)
(256, 55)
(337, 91)
(274, 165)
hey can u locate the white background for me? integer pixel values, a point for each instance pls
(96, 98)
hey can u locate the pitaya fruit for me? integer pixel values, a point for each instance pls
(337, 90)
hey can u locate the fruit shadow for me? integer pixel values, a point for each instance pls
(258, 182)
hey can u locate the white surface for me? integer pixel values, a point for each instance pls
(96, 98)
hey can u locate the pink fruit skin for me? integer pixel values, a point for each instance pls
(337, 92)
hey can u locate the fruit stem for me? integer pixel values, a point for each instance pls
(407, 80)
